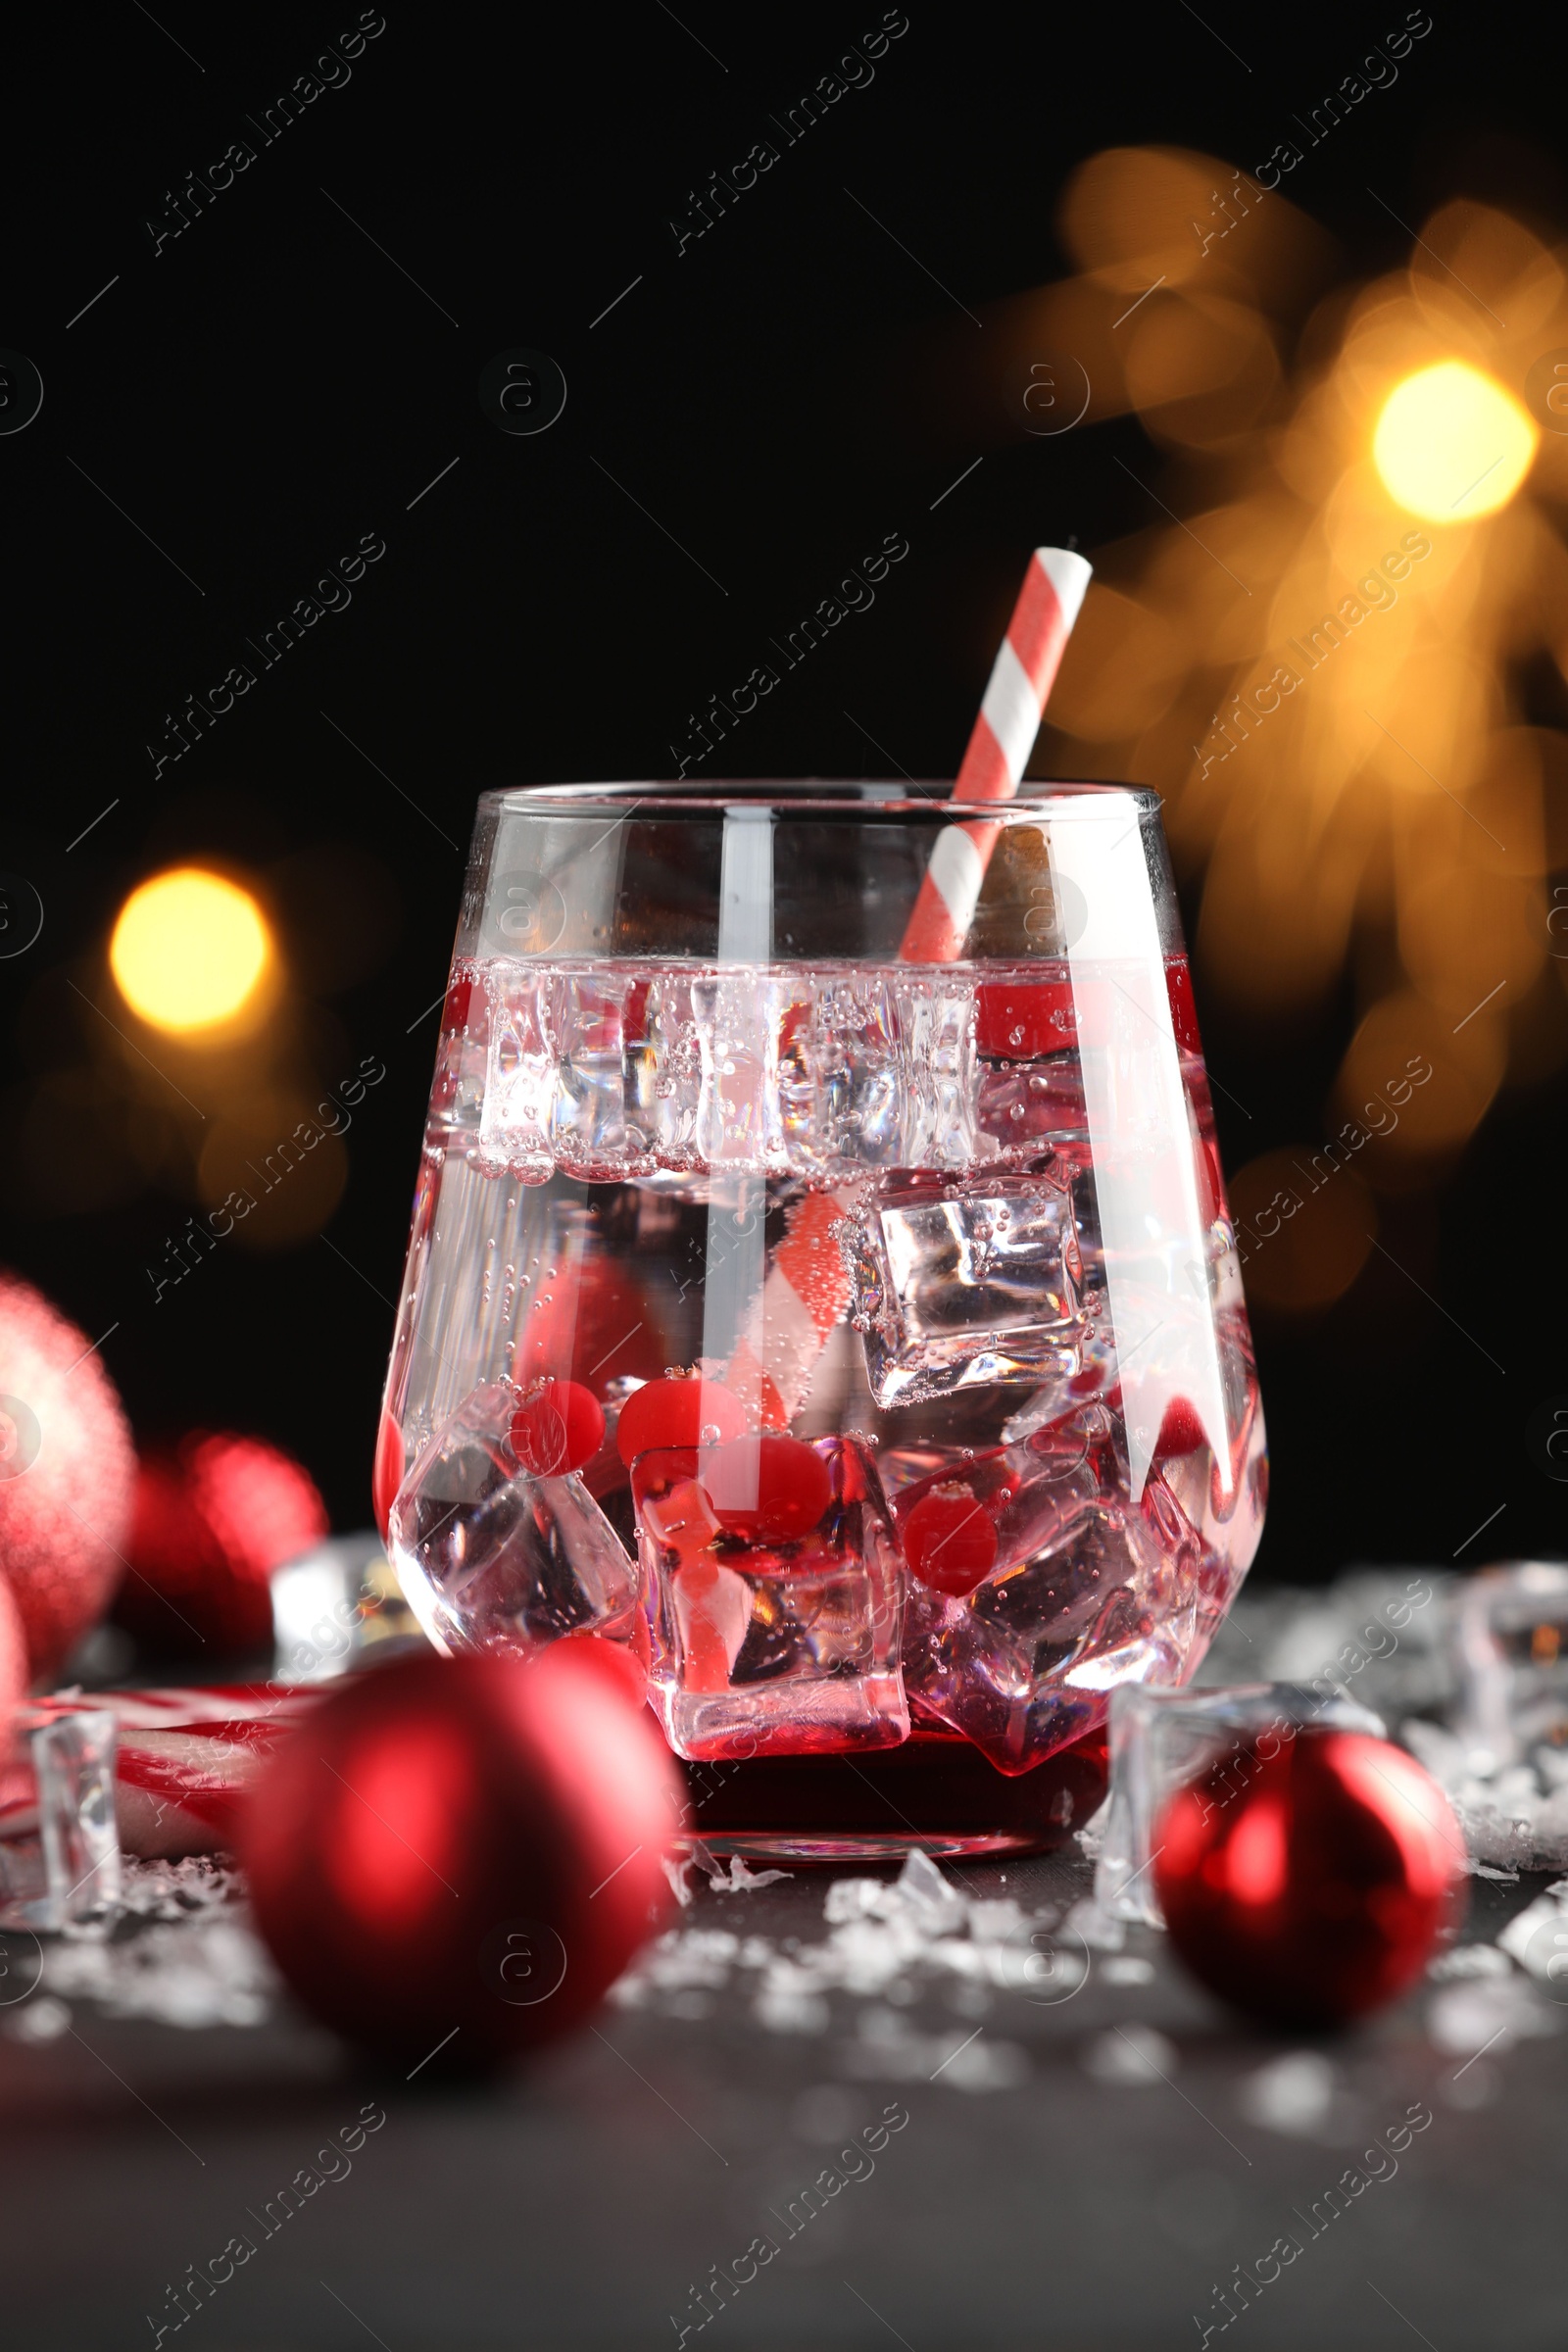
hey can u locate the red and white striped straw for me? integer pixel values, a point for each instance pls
(807, 1292)
(1021, 677)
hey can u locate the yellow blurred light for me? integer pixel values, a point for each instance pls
(188, 950)
(1451, 444)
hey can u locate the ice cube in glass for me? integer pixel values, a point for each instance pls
(965, 1283)
(771, 1578)
(493, 1557)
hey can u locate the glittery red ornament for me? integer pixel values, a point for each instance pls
(1308, 1883)
(215, 1515)
(66, 1469)
(462, 1852)
(12, 1655)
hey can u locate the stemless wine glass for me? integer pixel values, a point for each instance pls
(860, 1340)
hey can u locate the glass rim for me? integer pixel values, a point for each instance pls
(802, 796)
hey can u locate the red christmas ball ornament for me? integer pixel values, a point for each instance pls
(1309, 1884)
(463, 1850)
(67, 1464)
(559, 1427)
(215, 1515)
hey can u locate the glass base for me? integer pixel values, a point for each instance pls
(937, 1791)
(852, 1846)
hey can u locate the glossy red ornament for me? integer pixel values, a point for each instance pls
(463, 1852)
(1309, 1884)
(67, 1465)
(949, 1542)
(215, 1515)
(677, 1412)
(559, 1427)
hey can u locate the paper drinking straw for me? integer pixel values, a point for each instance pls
(1021, 677)
(806, 1290)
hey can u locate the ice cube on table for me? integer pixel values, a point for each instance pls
(491, 1557)
(771, 1578)
(961, 1283)
(1161, 1739)
(1508, 1630)
(59, 1841)
(1087, 1590)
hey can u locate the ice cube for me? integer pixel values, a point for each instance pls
(938, 1019)
(963, 1283)
(588, 1102)
(59, 1842)
(863, 1100)
(1509, 1632)
(771, 1578)
(493, 1558)
(666, 1071)
(1085, 1589)
(1162, 1738)
(333, 1604)
(515, 1113)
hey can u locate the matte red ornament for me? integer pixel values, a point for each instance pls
(1309, 1884)
(677, 1412)
(215, 1515)
(462, 1852)
(559, 1427)
(13, 1658)
(67, 1464)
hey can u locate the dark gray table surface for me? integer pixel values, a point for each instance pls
(577, 2202)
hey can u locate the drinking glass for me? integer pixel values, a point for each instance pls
(907, 1294)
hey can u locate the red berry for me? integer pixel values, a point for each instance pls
(766, 1490)
(1181, 1431)
(619, 1667)
(677, 1412)
(1024, 1024)
(387, 1475)
(1183, 1011)
(559, 1427)
(949, 1542)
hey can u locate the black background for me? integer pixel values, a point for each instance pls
(271, 385)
